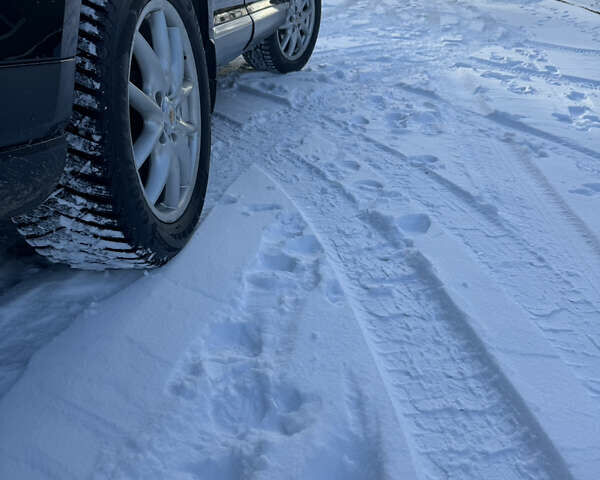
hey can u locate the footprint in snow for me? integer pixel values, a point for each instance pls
(228, 393)
(516, 87)
(397, 120)
(429, 121)
(333, 171)
(334, 292)
(369, 185)
(250, 398)
(576, 96)
(263, 280)
(304, 245)
(277, 261)
(237, 338)
(331, 286)
(261, 207)
(423, 160)
(587, 189)
(351, 165)
(580, 116)
(378, 101)
(232, 388)
(359, 121)
(356, 453)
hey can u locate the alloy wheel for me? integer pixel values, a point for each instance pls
(294, 36)
(164, 110)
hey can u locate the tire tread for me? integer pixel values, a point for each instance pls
(77, 225)
(260, 58)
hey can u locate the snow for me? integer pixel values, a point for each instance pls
(396, 276)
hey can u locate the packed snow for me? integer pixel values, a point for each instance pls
(396, 275)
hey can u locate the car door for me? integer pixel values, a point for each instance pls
(268, 16)
(233, 29)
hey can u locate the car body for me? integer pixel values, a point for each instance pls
(38, 42)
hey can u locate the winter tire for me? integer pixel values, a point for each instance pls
(290, 48)
(139, 140)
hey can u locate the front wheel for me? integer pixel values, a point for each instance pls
(290, 48)
(139, 140)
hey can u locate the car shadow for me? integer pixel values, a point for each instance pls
(38, 300)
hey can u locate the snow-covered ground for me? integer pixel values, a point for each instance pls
(397, 275)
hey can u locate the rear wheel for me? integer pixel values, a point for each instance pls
(290, 48)
(139, 140)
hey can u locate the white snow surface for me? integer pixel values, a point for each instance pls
(396, 276)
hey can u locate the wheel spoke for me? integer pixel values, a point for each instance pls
(173, 185)
(146, 143)
(185, 162)
(186, 128)
(159, 173)
(305, 16)
(177, 60)
(286, 40)
(150, 65)
(144, 104)
(160, 39)
(293, 43)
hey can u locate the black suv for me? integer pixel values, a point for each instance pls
(105, 115)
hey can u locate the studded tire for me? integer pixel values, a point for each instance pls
(269, 56)
(98, 217)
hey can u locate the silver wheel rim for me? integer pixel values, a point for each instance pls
(294, 36)
(164, 110)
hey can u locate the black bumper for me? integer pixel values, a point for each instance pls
(38, 41)
(29, 174)
(35, 111)
(36, 100)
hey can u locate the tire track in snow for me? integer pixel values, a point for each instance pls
(579, 5)
(462, 420)
(565, 48)
(506, 120)
(457, 202)
(549, 76)
(570, 330)
(388, 163)
(566, 309)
